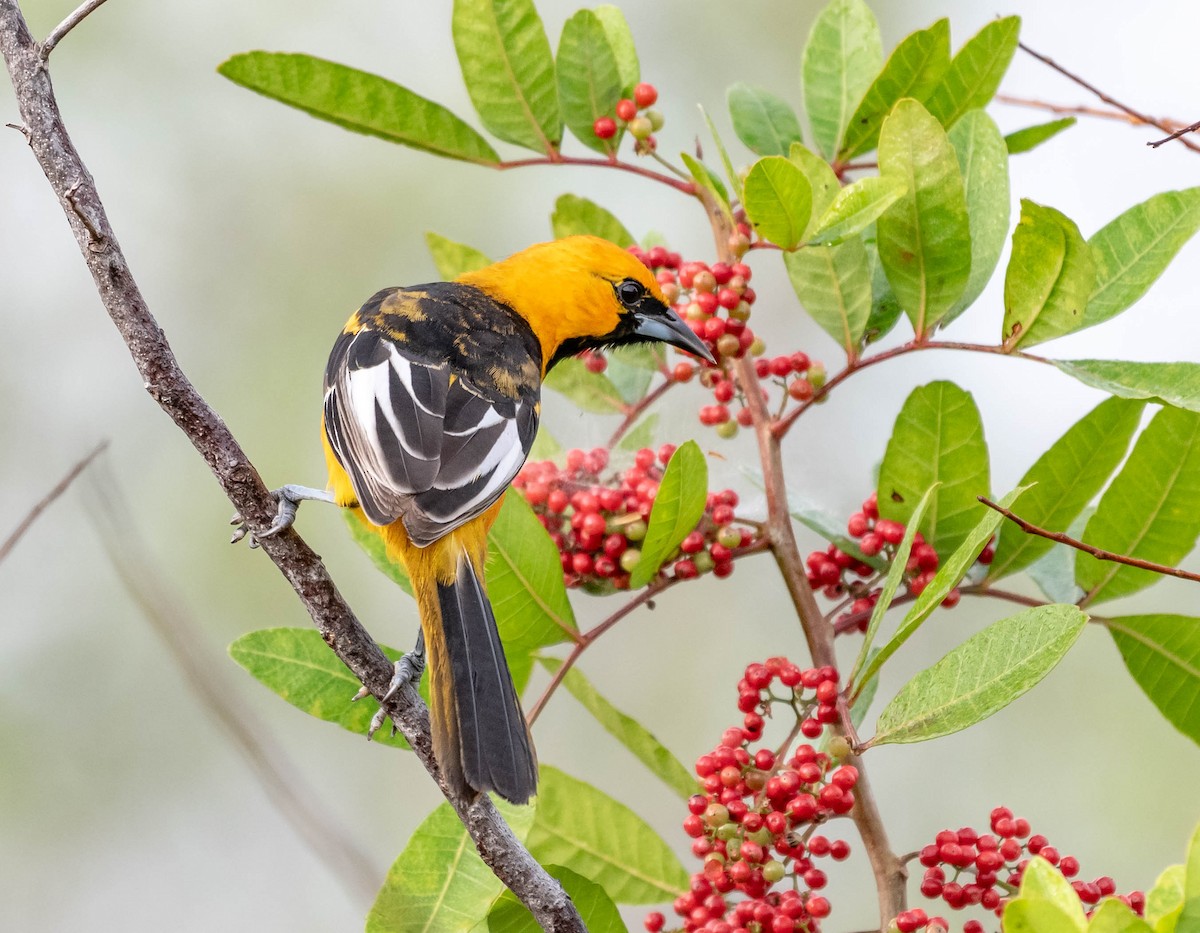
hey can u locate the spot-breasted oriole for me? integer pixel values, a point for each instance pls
(431, 405)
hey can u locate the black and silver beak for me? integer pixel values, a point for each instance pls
(667, 326)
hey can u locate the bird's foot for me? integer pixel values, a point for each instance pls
(408, 670)
(288, 498)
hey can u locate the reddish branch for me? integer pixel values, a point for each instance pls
(1096, 552)
(686, 187)
(42, 504)
(1190, 128)
(174, 393)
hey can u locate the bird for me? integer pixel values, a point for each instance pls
(431, 405)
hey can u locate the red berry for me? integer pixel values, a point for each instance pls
(654, 922)
(605, 127)
(817, 907)
(626, 109)
(645, 94)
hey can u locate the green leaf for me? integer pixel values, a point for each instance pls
(885, 309)
(855, 208)
(1046, 903)
(1033, 136)
(1162, 653)
(453, 259)
(574, 215)
(981, 676)
(358, 101)
(708, 182)
(631, 380)
(887, 593)
(1149, 510)
(1132, 251)
(545, 446)
(1112, 916)
(1049, 278)
(585, 830)
(525, 583)
(948, 576)
(976, 71)
(821, 178)
(731, 175)
(296, 664)
(439, 882)
(924, 239)
(628, 731)
(938, 438)
(620, 39)
(592, 392)
(677, 509)
(915, 67)
(841, 58)
(1189, 919)
(1064, 480)
(372, 543)
(589, 80)
(596, 909)
(984, 166)
(778, 200)
(509, 70)
(1164, 901)
(834, 285)
(1174, 384)
(765, 123)
(643, 434)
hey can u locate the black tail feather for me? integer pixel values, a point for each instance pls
(497, 752)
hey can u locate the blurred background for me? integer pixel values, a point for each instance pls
(253, 232)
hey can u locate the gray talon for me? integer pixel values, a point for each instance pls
(288, 498)
(408, 670)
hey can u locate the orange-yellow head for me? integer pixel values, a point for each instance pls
(583, 292)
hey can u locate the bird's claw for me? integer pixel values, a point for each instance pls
(288, 499)
(408, 670)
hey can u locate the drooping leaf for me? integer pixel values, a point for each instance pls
(296, 664)
(1112, 916)
(358, 101)
(731, 175)
(833, 284)
(1064, 480)
(938, 438)
(778, 200)
(509, 70)
(1132, 250)
(915, 67)
(592, 392)
(1164, 901)
(1033, 136)
(1049, 278)
(596, 909)
(855, 208)
(841, 58)
(976, 71)
(821, 179)
(680, 501)
(439, 882)
(589, 79)
(708, 182)
(924, 239)
(1174, 384)
(1046, 903)
(585, 830)
(981, 676)
(525, 583)
(1149, 510)
(620, 38)
(984, 165)
(453, 259)
(1189, 919)
(1162, 653)
(574, 215)
(765, 123)
(627, 730)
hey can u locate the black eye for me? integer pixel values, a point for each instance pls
(630, 292)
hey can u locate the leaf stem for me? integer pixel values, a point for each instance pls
(686, 187)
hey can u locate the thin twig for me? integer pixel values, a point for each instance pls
(39, 507)
(636, 411)
(67, 25)
(279, 776)
(1111, 101)
(687, 187)
(1098, 553)
(1190, 128)
(1073, 110)
(170, 388)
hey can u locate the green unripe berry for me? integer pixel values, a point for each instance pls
(773, 871)
(716, 814)
(727, 429)
(630, 558)
(729, 537)
(703, 561)
(656, 119)
(635, 531)
(640, 127)
(727, 831)
(839, 748)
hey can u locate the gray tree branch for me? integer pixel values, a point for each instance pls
(170, 388)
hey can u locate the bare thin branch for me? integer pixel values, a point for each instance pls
(1098, 553)
(170, 388)
(1190, 128)
(82, 13)
(39, 507)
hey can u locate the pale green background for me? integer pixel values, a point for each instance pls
(253, 231)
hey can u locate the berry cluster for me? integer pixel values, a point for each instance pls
(598, 519)
(635, 114)
(754, 826)
(965, 868)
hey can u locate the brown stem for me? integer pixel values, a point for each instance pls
(1111, 101)
(42, 504)
(1190, 128)
(170, 388)
(686, 187)
(67, 25)
(1099, 553)
(636, 411)
(1073, 110)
